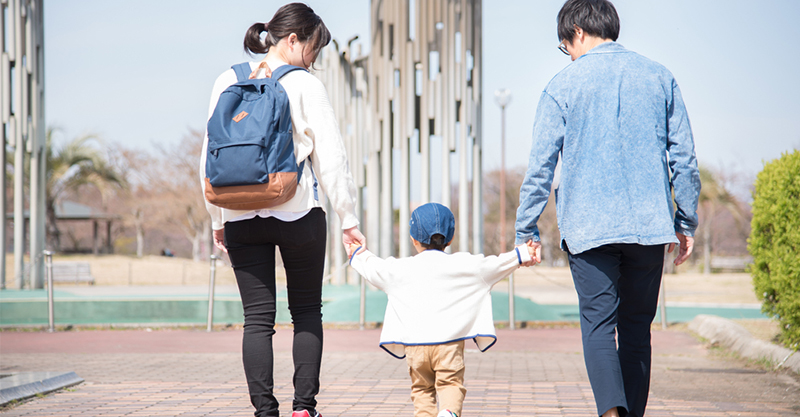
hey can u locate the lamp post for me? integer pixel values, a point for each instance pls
(502, 97)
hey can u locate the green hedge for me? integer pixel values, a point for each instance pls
(774, 243)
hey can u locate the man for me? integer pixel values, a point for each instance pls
(618, 123)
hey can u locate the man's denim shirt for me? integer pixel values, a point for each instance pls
(619, 124)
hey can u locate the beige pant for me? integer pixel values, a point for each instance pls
(436, 370)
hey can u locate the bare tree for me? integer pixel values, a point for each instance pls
(182, 200)
(715, 199)
(134, 204)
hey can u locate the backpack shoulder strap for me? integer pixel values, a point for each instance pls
(285, 69)
(242, 71)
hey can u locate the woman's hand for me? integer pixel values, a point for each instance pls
(219, 240)
(353, 236)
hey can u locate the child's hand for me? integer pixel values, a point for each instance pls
(352, 247)
(535, 252)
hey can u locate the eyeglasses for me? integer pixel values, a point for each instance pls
(563, 48)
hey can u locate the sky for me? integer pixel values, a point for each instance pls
(140, 73)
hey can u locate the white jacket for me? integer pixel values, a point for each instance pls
(316, 134)
(435, 297)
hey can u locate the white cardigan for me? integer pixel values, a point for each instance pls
(316, 134)
(435, 297)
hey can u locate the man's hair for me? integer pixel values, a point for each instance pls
(596, 17)
(437, 242)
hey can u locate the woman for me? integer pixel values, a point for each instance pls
(294, 36)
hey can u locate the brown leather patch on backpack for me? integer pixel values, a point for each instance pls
(280, 189)
(238, 118)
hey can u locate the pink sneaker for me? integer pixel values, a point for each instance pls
(305, 413)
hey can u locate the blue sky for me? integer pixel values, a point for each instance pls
(141, 72)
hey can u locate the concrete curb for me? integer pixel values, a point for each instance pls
(737, 338)
(27, 384)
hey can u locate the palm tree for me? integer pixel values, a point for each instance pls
(714, 197)
(77, 163)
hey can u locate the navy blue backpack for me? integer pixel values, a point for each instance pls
(250, 162)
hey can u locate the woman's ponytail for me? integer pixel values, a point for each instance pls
(295, 18)
(252, 39)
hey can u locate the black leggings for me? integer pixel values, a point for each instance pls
(251, 247)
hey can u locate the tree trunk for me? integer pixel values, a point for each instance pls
(52, 227)
(206, 241)
(139, 224)
(196, 239)
(707, 247)
(669, 261)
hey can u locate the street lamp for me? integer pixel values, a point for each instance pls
(502, 98)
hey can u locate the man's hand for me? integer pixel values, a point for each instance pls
(535, 251)
(687, 245)
(219, 240)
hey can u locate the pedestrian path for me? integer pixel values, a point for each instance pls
(528, 372)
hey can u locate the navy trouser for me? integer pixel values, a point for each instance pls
(251, 247)
(617, 289)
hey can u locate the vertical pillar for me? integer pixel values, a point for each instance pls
(463, 128)
(387, 211)
(477, 153)
(3, 208)
(477, 198)
(95, 238)
(35, 122)
(22, 127)
(404, 124)
(5, 111)
(109, 244)
(403, 242)
(385, 109)
(36, 277)
(15, 126)
(40, 127)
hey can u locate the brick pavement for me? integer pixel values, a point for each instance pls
(529, 372)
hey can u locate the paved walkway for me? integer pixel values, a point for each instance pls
(528, 372)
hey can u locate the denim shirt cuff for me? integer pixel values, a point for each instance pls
(523, 239)
(684, 229)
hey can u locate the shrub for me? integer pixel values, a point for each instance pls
(774, 243)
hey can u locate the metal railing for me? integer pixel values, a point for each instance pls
(48, 255)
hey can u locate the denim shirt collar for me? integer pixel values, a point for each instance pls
(606, 48)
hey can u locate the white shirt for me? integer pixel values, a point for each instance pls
(316, 135)
(435, 297)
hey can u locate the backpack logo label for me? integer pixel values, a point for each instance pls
(238, 118)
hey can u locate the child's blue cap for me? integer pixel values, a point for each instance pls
(430, 219)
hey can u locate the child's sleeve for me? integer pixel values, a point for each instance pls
(375, 270)
(495, 268)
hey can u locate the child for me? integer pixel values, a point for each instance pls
(436, 301)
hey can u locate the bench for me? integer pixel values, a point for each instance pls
(72, 272)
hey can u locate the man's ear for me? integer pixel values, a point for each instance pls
(579, 35)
